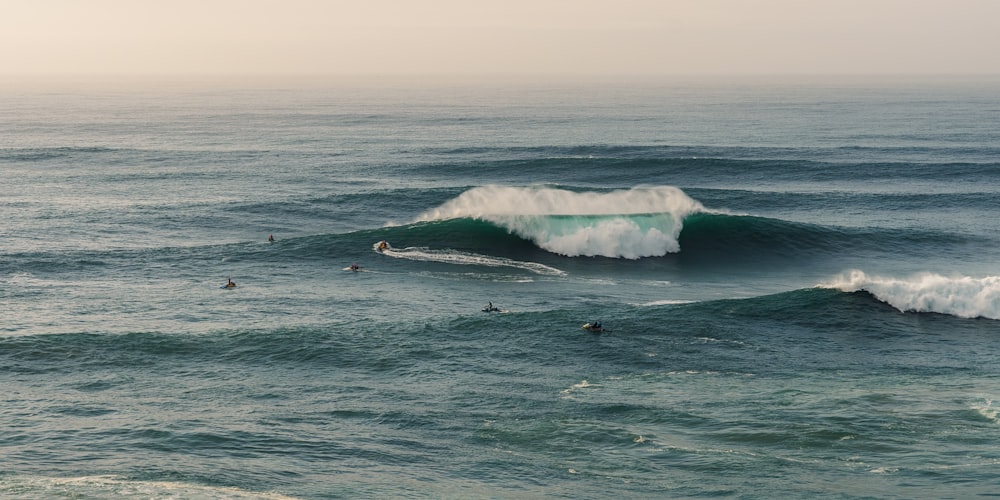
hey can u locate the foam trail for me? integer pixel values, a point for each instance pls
(964, 297)
(117, 487)
(632, 223)
(465, 258)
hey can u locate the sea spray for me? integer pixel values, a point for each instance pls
(628, 223)
(964, 296)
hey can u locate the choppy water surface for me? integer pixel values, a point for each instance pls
(797, 283)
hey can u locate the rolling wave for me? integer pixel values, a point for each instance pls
(646, 222)
(962, 296)
(633, 223)
(712, 234)
(618, 165)
(537, 244)
(836, 308)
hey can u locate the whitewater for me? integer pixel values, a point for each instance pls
(632, 223)
(962, 296)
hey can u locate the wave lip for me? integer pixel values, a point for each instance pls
(964, 297)
(633, 223)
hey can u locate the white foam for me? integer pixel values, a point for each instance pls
(961, 296)
(466, 258)
(884, 470)
(487, 201)
(632, 223)
(575, 387)
(665, 302)
(986, 410)
(113, 486)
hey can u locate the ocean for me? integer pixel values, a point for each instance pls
(797, 282)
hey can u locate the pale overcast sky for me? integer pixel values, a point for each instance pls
(492, 37)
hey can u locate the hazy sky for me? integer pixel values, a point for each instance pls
(515, 37)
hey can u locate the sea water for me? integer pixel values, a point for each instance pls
(798, 281)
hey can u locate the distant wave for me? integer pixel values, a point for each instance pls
(964, 297)
(47, 153)
(632, 223)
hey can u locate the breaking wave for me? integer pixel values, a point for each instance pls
(632, 223)
(964, 296)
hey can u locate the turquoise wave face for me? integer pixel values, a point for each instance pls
(628, 236)
(628, 223)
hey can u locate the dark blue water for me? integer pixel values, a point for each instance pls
(797, 281)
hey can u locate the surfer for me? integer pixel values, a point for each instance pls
(270, 238)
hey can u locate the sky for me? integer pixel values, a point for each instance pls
(499, 37)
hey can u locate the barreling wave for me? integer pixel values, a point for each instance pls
(964, 296)
(631, 224)
(648, 222)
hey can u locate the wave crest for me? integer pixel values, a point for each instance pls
(964, 297)
(632, 223)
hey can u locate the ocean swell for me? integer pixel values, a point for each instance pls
(633, 223)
